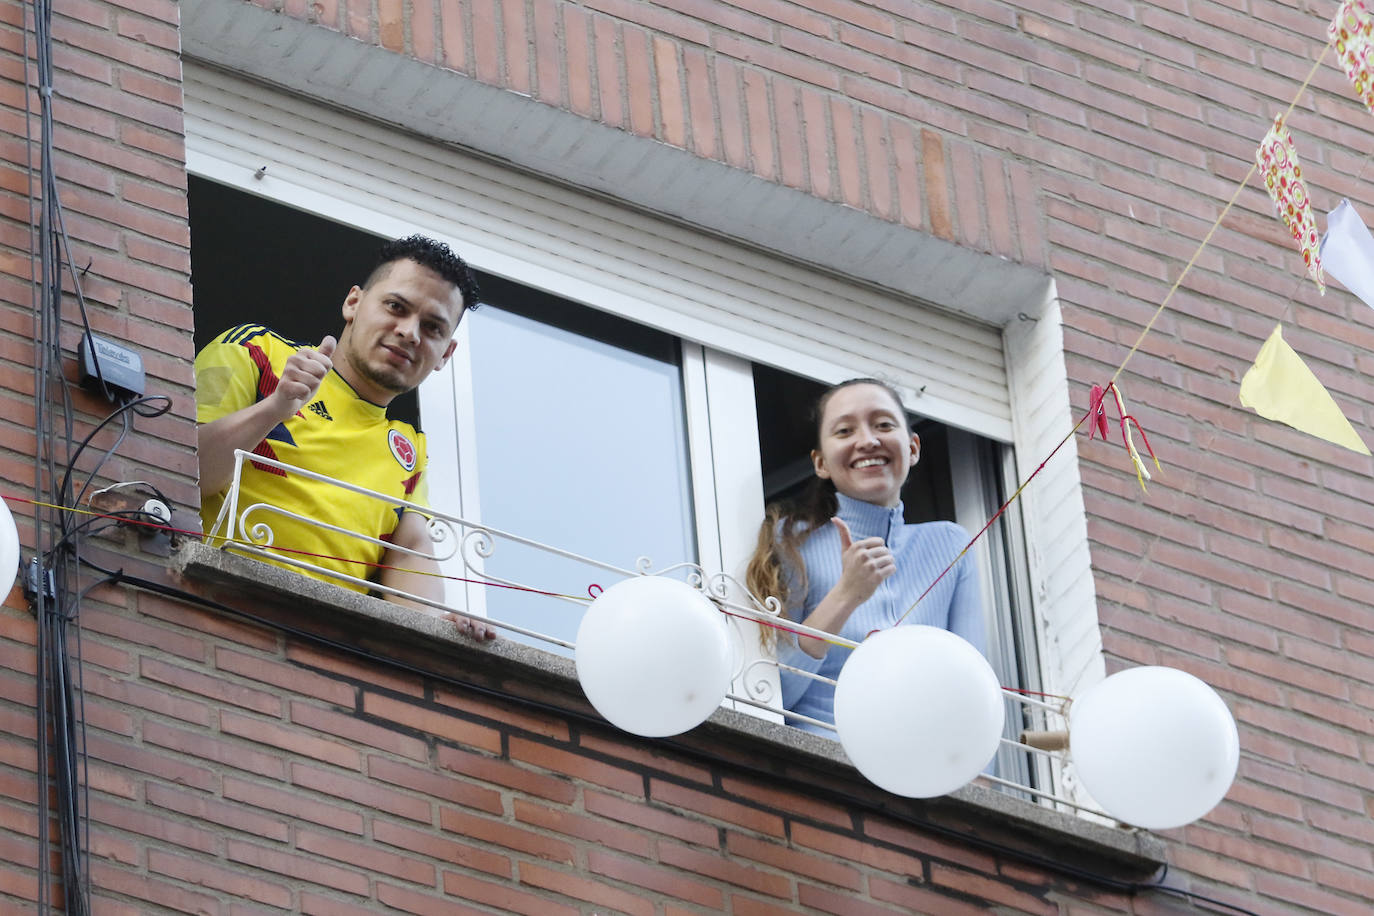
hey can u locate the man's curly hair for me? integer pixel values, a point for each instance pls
(427, 252)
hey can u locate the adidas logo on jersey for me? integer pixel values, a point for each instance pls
(319, 409)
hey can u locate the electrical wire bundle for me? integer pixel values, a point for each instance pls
(56, 694)
(50, 578)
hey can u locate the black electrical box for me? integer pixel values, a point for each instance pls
(120, 368)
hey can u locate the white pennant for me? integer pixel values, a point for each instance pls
(1347, 252)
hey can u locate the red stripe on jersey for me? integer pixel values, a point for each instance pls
(265, 451)
(411, 482)
(267, 378)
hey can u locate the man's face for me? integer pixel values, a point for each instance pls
(397, 331)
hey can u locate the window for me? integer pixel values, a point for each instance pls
(590, 433)
(568, 427)
(553, 421)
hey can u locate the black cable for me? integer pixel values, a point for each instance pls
(155, 412)
(90, 588)
(1194, 897)
(114, 520)
(66, 247)
(59, 703)
(83, 839)
(850, 801)
(122, 412)
(126, 424)
(65, 744)
(44, 335)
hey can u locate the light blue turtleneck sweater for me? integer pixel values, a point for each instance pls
(921, 553)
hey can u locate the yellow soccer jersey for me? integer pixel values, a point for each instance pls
(337, 434)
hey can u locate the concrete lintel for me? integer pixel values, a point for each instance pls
(318, 63)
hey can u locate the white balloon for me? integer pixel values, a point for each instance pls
(9, 549)
(653, 656)
(1156, 747)
(919, 710)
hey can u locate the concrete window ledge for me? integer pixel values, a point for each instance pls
(797, 760)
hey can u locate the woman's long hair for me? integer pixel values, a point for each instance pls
(788, 522)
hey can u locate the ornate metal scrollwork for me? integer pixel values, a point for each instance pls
(477, 545)
(696, 576)
(258, 533)
(441, 531)
(758, 685)
(722, 583)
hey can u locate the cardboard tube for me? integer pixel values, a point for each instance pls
(1046, 741)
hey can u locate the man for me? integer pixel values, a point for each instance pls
(324, 409)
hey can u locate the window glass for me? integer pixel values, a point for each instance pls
(580, 440)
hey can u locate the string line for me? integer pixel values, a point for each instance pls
(1191, 480)
(227, 541)
(1092, 409)
(1149, 326)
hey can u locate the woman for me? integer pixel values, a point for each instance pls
(842, 559)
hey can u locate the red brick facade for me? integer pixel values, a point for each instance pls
(233, 764)
(238, 770)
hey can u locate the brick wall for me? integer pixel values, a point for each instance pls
(236, 767)
(859, 104)
(121, 169)
(1097, 141)
(1100, 141)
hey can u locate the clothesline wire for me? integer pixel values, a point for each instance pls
(1140, 338)
(229, 542)
(225, 541)
(1289, 315)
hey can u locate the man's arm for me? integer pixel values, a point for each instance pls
(244, 429)
(397, 565)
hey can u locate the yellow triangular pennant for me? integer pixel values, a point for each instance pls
(1279, 386)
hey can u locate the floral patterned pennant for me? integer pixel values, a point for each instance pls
(1278, 163)
(1352, 30)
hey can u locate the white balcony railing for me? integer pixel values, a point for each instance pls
(247, 529)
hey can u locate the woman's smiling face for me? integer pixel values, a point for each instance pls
(864, 447)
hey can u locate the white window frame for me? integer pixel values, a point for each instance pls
(723, 460)
(701, 289)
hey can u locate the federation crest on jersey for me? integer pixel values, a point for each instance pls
(402, 449)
